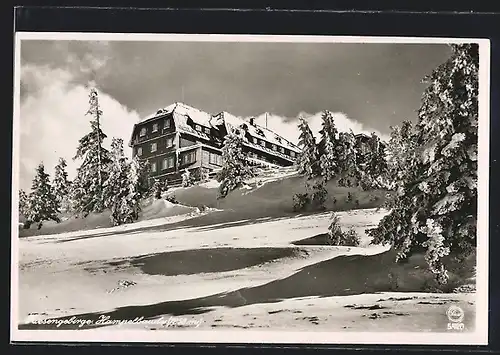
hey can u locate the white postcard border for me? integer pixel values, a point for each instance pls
(478, 337)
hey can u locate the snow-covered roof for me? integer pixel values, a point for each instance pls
(181, 112)
(259, 132)
(181, 123)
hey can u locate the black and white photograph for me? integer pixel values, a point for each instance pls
(250, 189)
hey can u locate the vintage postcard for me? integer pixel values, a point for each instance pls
(250, 189)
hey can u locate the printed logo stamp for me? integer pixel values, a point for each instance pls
(455, 316)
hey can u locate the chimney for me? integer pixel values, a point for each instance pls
(252, 121)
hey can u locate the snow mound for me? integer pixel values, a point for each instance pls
(210, 184)
(169, 204)
(268, 177)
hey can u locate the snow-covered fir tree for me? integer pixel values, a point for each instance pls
(42, 203)
(61, 184)
(143, 169)
(204, 175)
(376, 168)
(308, 160)
(87, 189)
(115, 187)
(187, 178)
(235, 168)
(329, 147)
(23, 203)
(348, 166)
(400, 148)
(157, 189)
(436, 208)
(131, 203)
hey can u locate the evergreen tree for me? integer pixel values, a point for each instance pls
(157, 189)
(308, 160)
(362, 153)
(87, 190)
(328, 147)
(399, 150)
(143, 169)
(115, 188)
(348, 166)
(187, 179)
(235, 168)
(23, 203)
(376, 169)
(436, 208)
(42, 203)
(61, 184)
(131, 203)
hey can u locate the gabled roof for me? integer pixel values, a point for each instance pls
(254, 129)
(181, 112)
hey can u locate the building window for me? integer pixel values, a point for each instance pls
(215, 159)
(275, 147)
(207, 130)
(197, 127)
(292, 154)
(143, 132)
(167, 163)
(282, 150)
(166, 124)
(262, 143)
(155, 127)
(255, 140)
(139, 151)
(153, 147)
(189, 158)
(170, 142)
(153, 167)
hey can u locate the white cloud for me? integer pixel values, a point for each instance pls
(288, 126)
(52, 120)
(96, 55)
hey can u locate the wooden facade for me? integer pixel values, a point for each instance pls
(180, 137)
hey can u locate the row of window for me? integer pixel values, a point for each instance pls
(199, 128)
(153, 147)
(169, 162)
(166, 124)
(215, 159)
(262, 143)
(166, 163)
(262, 157)
(189, 157)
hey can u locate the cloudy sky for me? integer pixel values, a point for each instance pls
(369, 87)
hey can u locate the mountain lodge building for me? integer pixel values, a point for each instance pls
(180, 137)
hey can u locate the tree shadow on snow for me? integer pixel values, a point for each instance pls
(319, 239)
(212, 221)
(196, 261)
(339, 276)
